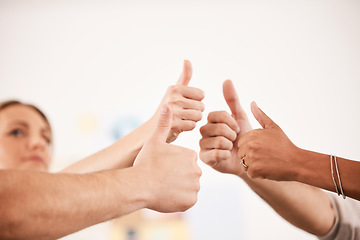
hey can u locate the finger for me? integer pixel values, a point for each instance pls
(186, 74)
(218, 129)
(244, 159)
(242, 150)
(243, 144)
(261, 117)
(242, 141)
(219, 142)
(189, 104)
(164, 124)
(232, 100)
(183, 125)
(224, 117)
(192, 93)
(214, 156)
(189, 114)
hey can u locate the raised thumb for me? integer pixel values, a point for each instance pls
(186, 74)
(232, 100)
(164, 124)
(261, 117)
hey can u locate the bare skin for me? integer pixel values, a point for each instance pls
(306, 207)
(66, 203)
(185, 103)
(272, 155)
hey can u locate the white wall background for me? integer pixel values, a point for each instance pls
(300, 60)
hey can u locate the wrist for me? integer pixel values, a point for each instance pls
(130, 188)
(314, 168)
(243, 175)
(141, 184)
(302, 164)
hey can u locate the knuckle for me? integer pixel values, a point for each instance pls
(202, 143)
(176, 130)
(227, 154)
(189, 202)
(178, 101)
(211, 115)
(202, 106)
(184, 207)
(198, 116)
(193, 154)
(224, 116)
(255, 134)
(192, 125)
(193, 200)
(216, 155)
(215, 116)
(220, 128)
(233, 136)
(203, 130)
(197, 186)
(253, 146)
(199, 172)
(206, 158)
(201, 154)
(221, 142)
(250, 154)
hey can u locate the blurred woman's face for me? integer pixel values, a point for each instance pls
(25, 139)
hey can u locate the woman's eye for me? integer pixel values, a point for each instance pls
(17, 133)
(47, 139)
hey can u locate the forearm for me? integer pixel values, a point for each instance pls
(316, 170)
(304, 206)
(119, 155)
(48, 206)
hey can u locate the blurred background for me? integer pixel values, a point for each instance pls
(99, 69)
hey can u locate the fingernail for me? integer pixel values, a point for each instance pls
(237, 129)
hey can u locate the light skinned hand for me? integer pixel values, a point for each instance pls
(169, 173)
(218, 146)
(185, 103)
(268, 152)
